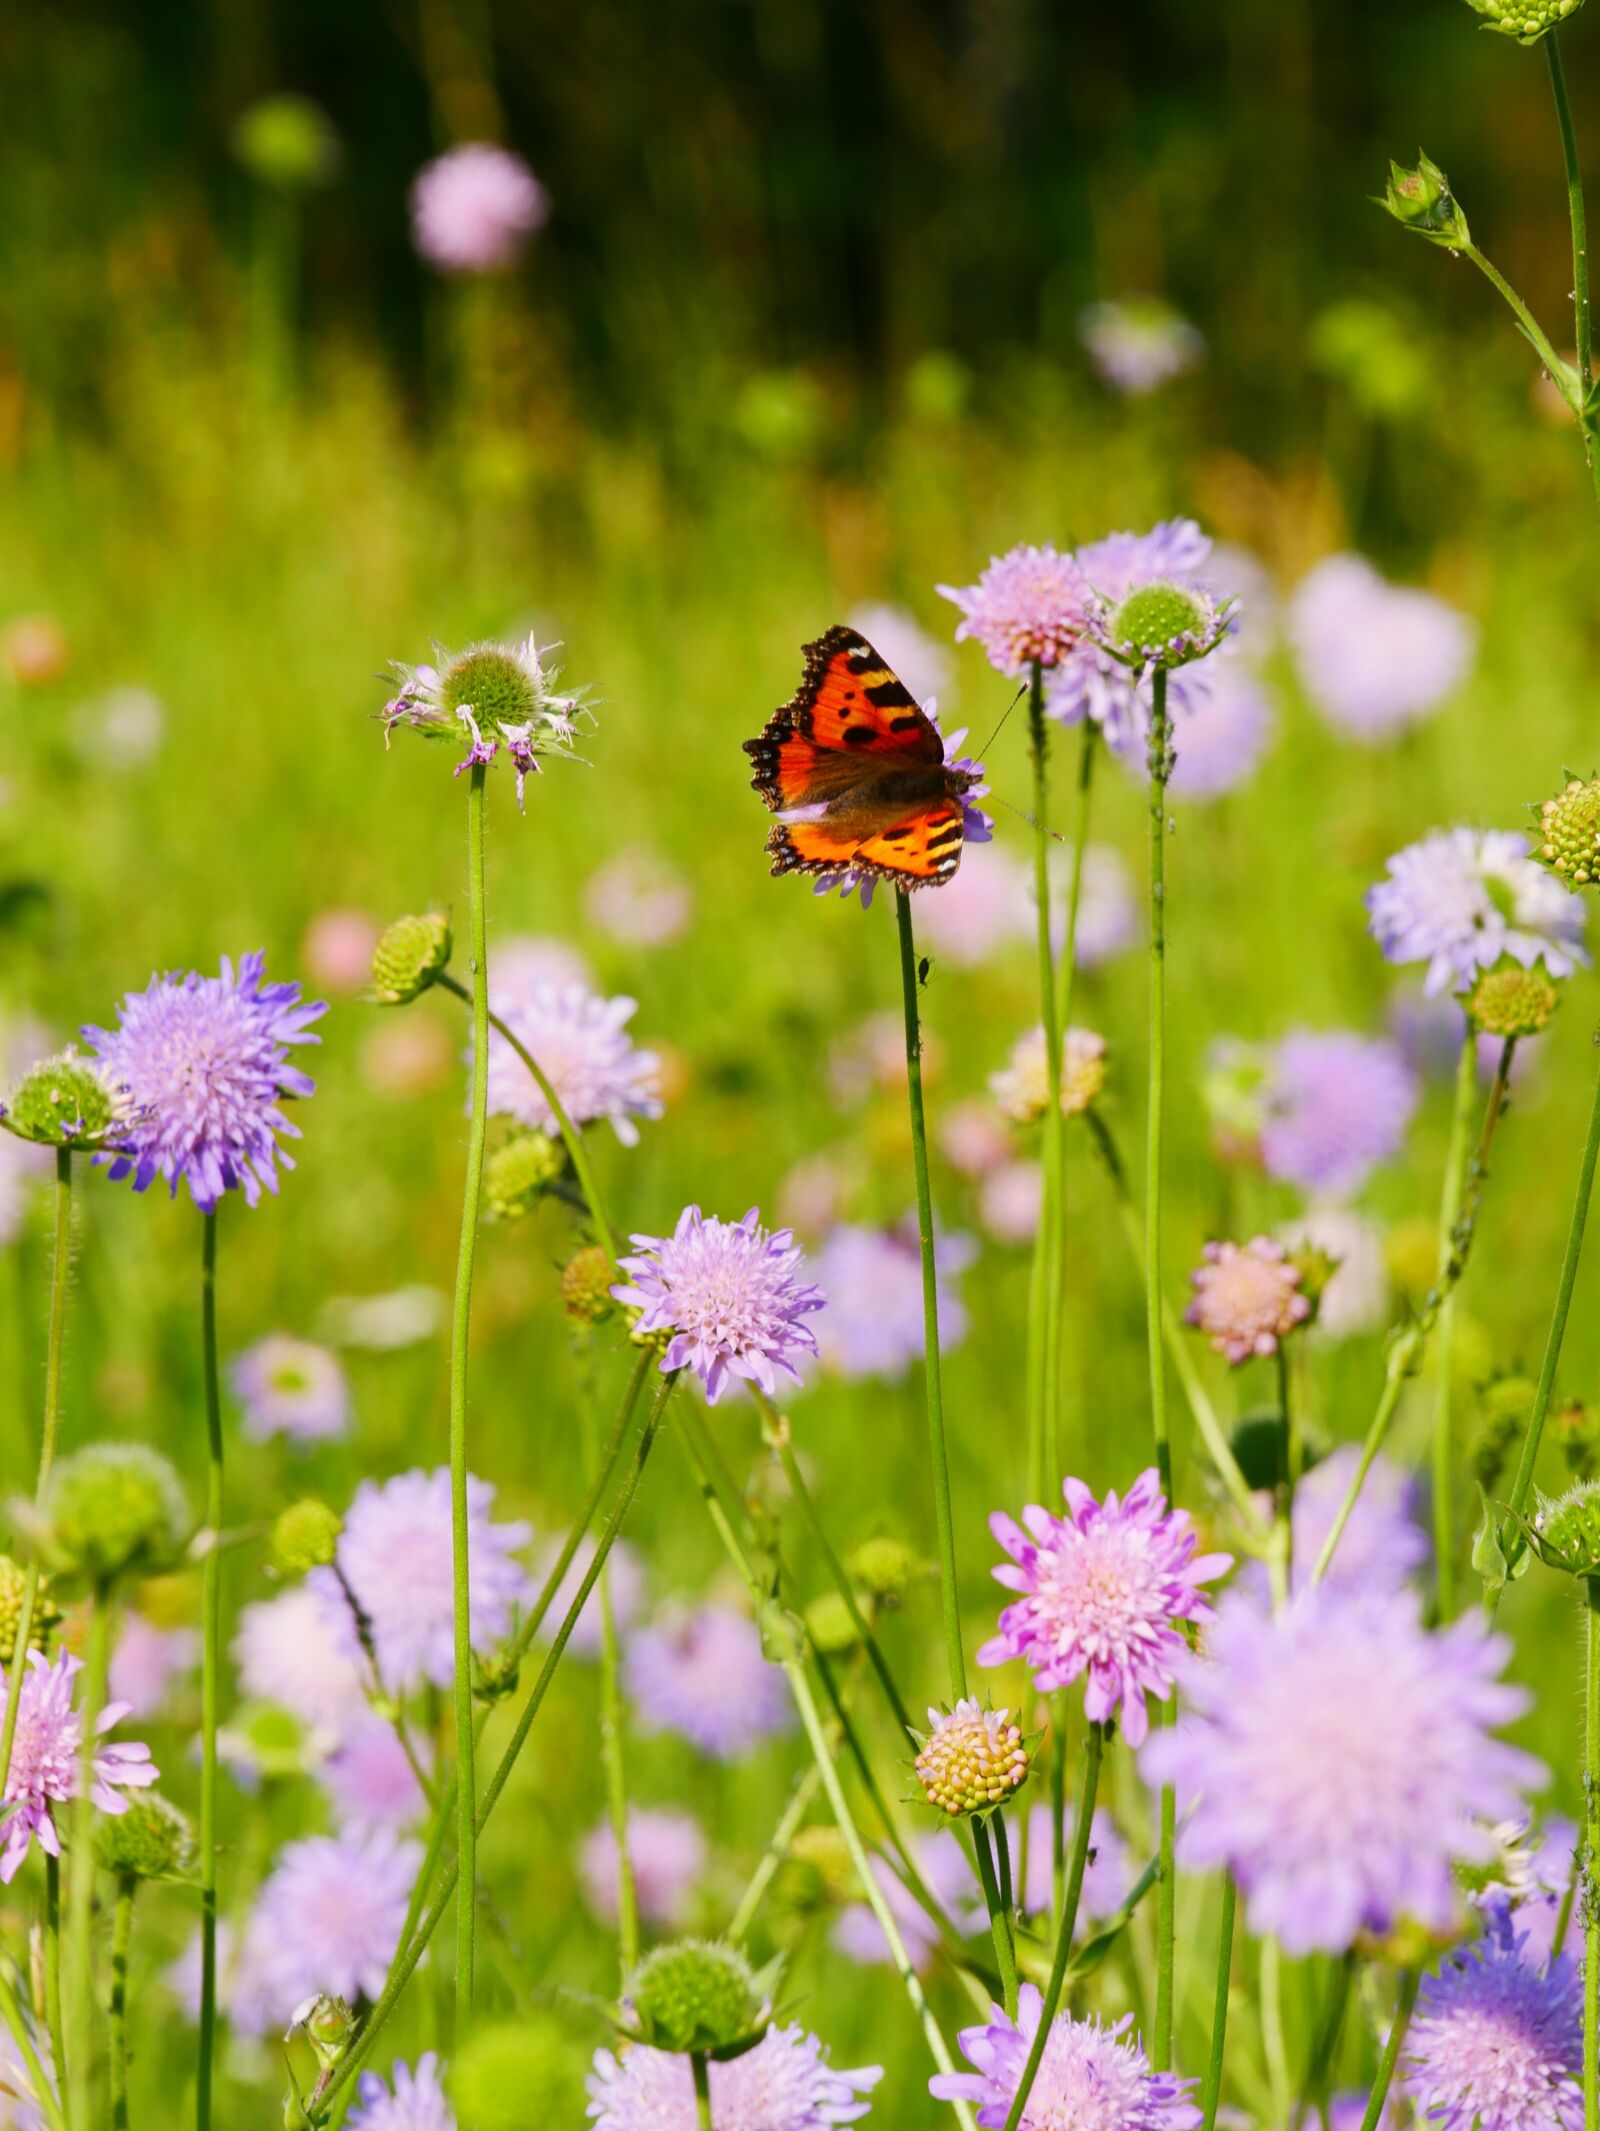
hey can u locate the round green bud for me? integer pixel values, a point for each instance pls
(65, 1101)
(829, 1625)
(1509, 1000)
(817, 1871)
(304, 1537)
(1526, 20)
(1565, 1534)
(519, 1173)
(1577, 1429)
(587, 1279)
(327, 2024)
(287, 141)
(493, 684)
(267, 1741)
(694, 1996)
(114, 1509)
(885, 1569)
(412, 953)
(150, 1840)
(1159, 617)
(498, 2067)
(46, 1613)
(1569, 832)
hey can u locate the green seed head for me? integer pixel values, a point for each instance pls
(1565, 1534)
(305, 1537)
(46, 1613)
(493, 684)
(1526, 20)
(498, 2067)
(409, 957)
(114, 1509)
(885, 1569)
(520, 1172)
(694, 1996)
(1569, 832)
(587, 1279)
(151, 1840)
(64, 1101)
(1509, 1000)
(1153, 619)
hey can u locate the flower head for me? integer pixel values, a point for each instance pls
(1334, 1815)
(205, 1061)
(293, 1650)
(1139, 344)
(872, 1277)
(667, 1852)
(492, 695)
(1161, 626)
(704, 1676)
(1462, 898)
(1246, 1298)
(1509, 1000)
(1030, 606)
(327, 1920)
(413, 2101)
(972, 1758)
(147, 1662)
(45, 1756)
(1333, 1106)
(1525, 20)
(582, 1047)
(291, 1387)
(1375, 658)
(1496, 2043)
(1102, 1592)
(1022, 1087)
(474, 208)
(729, 1294)
(68, 1101)
(784, 2084)
(1091, 2077)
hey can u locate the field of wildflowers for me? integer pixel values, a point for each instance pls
(918, 1445)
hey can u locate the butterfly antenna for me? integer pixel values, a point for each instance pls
(1000, 728)
(1022, 815)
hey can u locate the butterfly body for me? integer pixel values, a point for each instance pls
(856, 771)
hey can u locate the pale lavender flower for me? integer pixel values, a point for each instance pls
(1382, 1545)
(1340, 1761)
(625, 1574)
(872, 1278)
(205, 1061)
(729, 1293)
(1102, 1592)
(1375, 658)
(1107, 1873)
(369, 1778)
(414, 2101)
(45, 1756)
(1010, 1203)
(294, 1651)
(704, 1676)
(394, 1553)
(581, 1043)
(1246, 1298)
(528, 962)
(1334, 1106)
(1140, 343)
(1356, 1297)
(784, 2084)
(474, 208)
(905, 646)
(668, 1855)
(327, 1919)
(945, 1871)
(291, 1387)
(638, 900)
(1091, 2076)
(1462, 898)
(973, 1140)
(1496, 2043)
(147, 1662)
(1227, 726)
(1030, 606)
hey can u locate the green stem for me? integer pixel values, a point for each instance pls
(1043, 1374)
(60, 1265)
(1591, 1854)
(1212, 2086)
(999, 1917)
(801, 1798)
(702, 2089)
(612, 1750)
(121, 1941)
(1273, 2046)
(1578, 218)
(210, 1676)
(80, 1915)
(1066, 985)
(1559, 372)
(460, 1331)
(939, 1459)
(1314, 2090)
(52, 1978)
(1444, 1532)
(1088, 1787)
(1391, 2049)
(1282, 1556)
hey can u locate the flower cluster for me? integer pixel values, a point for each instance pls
(495, 695)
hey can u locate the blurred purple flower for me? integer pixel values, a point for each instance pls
(625, 1573)
(948, 1876)
(1375, 658)
(1010, 1201)
(982, 910)
(1334, 1106)
(1031, 604)
(638, 901)
(1382, 1545)
(45, 1761)
(1496, 2043)
(290, 1387)
(1139, 344)
(784, 2084)
(1107, 1875)
(582, 1048)
(297, 1651)
(414, 2102)
(369, 1779)
(327, 1919)
(474, 208)
(872, 1278)
(1356, 1298)
(146, 1663)
(1462, 898)
(1109, 914)
(1091, 2077)
(704, 1676)
(668, 1855)
(1226, 727)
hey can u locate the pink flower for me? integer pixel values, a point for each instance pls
(44, 1761)
(474, 208)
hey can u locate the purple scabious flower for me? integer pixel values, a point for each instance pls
(1107, 1873)
(784, 2084)
(1091, 2076)
(474, 208)
(369, 1778)
(1227, 725)
(45, 1756)
(1103, 1590)
(205, 1061)
(1139, 344)
(1030, 606)
(1333, 1107)
(414, 2102)
(945, 1871)
(704, 1676)
(295, 1651)
(1462, 898)
(1381, 1547)
(394, 1554)
(667, 1852)
(1338, 1814)
(1375, 658)
(729, 1294)
(1496, 2043)
(491, 695)
(291, 1387)
(328, 1919)
(872, 1278)
(581, 1043)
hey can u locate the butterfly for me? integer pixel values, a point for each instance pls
(855, 770)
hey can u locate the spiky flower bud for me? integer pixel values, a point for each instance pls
(519, 1173)
(1421, 200)
(587, 1279)
(1577, 1429)
(694, 1995)
(409, 957)
(304, 1537)
(1509, 1000)
(328, 2024)
(1526, 20)
(495, 1674)
(973, 1758)
(885, 1569)
(150, 1839)
(46, 1613)
(112, 1509)
(497, 2067)
(66, 1101)
(1569, 832)
(1565, 1534)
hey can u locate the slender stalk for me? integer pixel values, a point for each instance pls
(1314, 2088)
(60, 1265)
(1066, 984)
(1043, 1374)
(612, 1753)
(939, 1459)
(702, 2089)
(801, 1799)
(121, 1941)
(1444, 1523)
(1211, 2087)
(80, 1913)
(1559, 372)
(460, 1332)
(1273, 2045)
(1578, 218)
(1391, 2049)
(1088, 1786)
(210, 1676)
(1591, 1855)
(1281, 1559)
(999, 1919)
(54, 2026)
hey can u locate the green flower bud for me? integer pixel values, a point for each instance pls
(304, 1537)
(818, 1872)
(884, 1569)
(287, 142)
(1509, 1000)
(1569, 832)
(587, 1279)
(695, 1996)
(495, 1676)
(1565, 1534)
(1422, 201)
(113, 1509)
(829, 1625)
(1577, 1429)
(1507, 1402)
(328, 2025)
(409, 957)
(497, 2067)
(519, 1173)
(1526, 20)
(65, 1101)
(150, 1840)
(46, 1613)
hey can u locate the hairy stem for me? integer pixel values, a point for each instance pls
(1455, 1182)
(1043, 1372)
(80, 1914)
(210, 1676)
(121, 1942)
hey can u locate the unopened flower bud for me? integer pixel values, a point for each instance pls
(1565, 1534)
(46, 1613)
(973, 1758)
(149, 1839)
(885, 1569)
(288, 142)
(304, 1537)
(817, 1871)
(498, 2066)
(1569, 832)
(1577, 1429)
(587, 1279)
(66, 1101)
(328, 2025)
(1509, 1000)
(1526, 20)
(1421, 199)
(829, 1625)
(110, 1510)
(519, 1173)
(694, 1995)
(409, 957)
(495, 1675)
